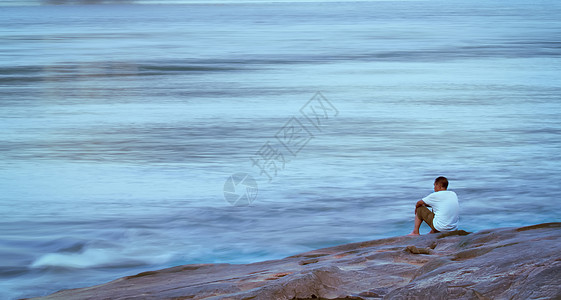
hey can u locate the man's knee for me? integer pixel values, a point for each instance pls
(424, 213)
(419, 211)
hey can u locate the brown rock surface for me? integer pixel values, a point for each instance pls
(506, 263)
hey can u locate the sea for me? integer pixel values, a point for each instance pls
(140, 135)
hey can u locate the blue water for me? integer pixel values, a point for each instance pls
(121, 123)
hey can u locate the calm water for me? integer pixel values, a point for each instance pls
(120, 124)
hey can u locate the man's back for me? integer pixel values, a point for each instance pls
(446, 209)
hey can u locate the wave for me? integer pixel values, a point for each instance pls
(98, 258)
(160, 2)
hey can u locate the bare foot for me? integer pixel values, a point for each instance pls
(413, 234)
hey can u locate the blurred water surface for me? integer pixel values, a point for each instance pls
(119, 125)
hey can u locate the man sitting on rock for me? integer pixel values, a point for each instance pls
(445, 206)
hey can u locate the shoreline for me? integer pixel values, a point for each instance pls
(517, 263)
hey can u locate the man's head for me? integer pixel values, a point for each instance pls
(440, 184)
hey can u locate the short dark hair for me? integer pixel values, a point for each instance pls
(442, 181)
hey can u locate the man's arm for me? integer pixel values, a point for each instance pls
(420, 203)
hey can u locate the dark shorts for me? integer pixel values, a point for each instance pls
(426, 215)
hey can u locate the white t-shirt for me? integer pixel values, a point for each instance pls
(446, 210)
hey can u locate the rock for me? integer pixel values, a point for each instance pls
(505, 263)
(415, 250)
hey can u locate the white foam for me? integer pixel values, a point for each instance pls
(96, 258)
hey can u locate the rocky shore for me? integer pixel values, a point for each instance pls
(504, 263)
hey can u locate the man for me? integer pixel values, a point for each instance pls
(445, 206)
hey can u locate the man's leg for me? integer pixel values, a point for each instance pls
(423, 214)
(418, 222)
